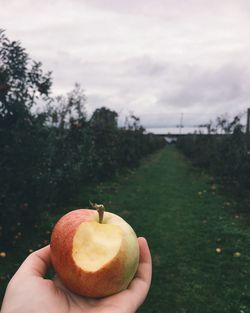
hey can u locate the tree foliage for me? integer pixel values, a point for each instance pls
(47, 157)
(225, 153)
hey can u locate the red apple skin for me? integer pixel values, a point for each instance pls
(106, 281)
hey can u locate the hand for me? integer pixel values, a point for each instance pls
(29, 292)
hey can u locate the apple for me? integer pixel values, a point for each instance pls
(94, 253)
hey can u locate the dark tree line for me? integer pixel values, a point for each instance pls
(224, 152)
(46, 156)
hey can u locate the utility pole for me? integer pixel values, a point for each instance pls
(248, 121)
(181, 122)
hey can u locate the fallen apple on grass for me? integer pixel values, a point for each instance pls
(94, 253)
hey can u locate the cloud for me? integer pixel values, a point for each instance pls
(226, 85)
(155, 59)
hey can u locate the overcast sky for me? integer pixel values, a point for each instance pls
(155, 58)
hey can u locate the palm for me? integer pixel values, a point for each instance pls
(116, 303)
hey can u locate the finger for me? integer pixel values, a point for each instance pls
(36, 264)
(144, 271)
(140, 285)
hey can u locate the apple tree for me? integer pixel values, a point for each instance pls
(22, 86)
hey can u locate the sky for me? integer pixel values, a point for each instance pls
(156, 59)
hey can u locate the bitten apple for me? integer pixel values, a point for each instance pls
(94, 253)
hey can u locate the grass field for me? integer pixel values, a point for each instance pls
(185, 219)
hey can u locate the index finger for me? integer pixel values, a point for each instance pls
(141, 282)
(36, 264)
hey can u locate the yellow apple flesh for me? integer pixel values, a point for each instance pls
(94, 259)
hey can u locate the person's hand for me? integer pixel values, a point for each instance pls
(29, 292)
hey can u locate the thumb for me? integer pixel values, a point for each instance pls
(36, 264)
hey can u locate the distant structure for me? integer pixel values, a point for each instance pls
(170, 139)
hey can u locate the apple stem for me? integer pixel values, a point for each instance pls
(99, 208)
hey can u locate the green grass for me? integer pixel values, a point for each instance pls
(184, 221)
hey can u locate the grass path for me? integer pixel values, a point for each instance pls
(185, 222)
